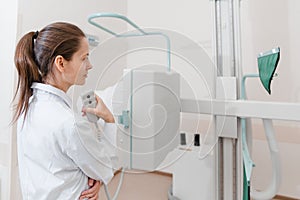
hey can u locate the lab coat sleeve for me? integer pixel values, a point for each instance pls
(109, 139)
(90, 154)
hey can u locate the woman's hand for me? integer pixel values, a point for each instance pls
(100, 110)
(93, 192)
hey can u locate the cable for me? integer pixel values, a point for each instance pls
(99, 131)
(273, 187)
(118, 189)
(170, 194)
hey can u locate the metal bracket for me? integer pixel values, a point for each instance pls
(124, 118)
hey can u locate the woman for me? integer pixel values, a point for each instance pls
(58, 152)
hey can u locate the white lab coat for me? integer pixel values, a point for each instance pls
(58, 150)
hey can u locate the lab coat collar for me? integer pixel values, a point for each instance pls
(53, 90)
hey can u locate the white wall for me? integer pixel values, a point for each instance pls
(35, 14)
(8, 24)
(189, 27)
(267, 24)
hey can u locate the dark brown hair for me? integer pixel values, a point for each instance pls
(35, 55)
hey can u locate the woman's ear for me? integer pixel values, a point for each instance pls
(59, 63)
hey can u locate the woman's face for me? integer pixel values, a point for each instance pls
(79, 65)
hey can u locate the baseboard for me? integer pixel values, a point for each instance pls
(154, 172)
(280, 197)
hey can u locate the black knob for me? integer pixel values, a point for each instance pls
(182, 139)
(197, 139)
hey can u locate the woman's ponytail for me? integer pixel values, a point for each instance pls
(28, 72)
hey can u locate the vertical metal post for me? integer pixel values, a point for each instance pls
(228, 59)
(225, 47)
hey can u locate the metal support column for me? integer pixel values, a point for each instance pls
(227, 53)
